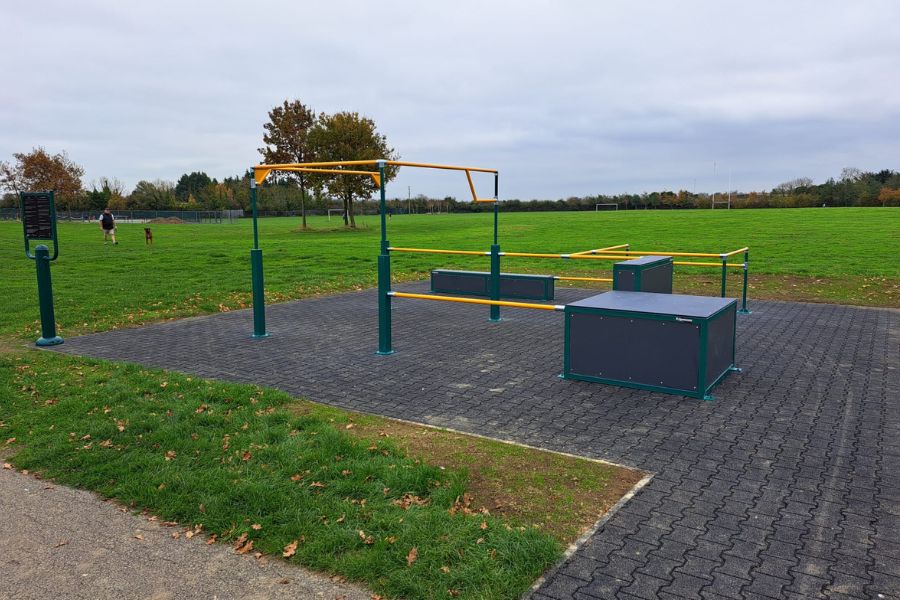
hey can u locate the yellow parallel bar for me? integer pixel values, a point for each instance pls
(695, 254)
(475, 197)
(738, 251)
(607, 249)
(478, 301)
(606, 279)
(436, 251)
(708, 264)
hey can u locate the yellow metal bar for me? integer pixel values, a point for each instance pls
(438, 251)
(661, 253)
(738, 251)
(475, 197)
(708, 264)
(478, 301)
(606, 279)
(399, 163)
(607, 249)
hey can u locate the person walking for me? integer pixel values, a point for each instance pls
(108, 225)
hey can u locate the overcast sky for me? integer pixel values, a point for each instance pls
(565, 98)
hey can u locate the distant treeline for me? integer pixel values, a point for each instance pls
(197, 191)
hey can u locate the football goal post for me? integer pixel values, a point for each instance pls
(606, 206)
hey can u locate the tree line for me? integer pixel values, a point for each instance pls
(295, 133)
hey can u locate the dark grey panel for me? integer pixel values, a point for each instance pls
(523, 287)
(651, 352)
(720, 344)
(624, 280)
(661, 304)
(459, 282)
(657, 279)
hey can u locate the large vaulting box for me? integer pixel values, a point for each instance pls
(664, 342)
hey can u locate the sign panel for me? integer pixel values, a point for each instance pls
(37, 215)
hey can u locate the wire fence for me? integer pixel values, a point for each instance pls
(139, 216)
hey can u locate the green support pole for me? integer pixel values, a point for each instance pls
(256, 272)
(495, 255)
(384, 276)
(724, 274)
(45, 298)
(495, 281)
(744, 310)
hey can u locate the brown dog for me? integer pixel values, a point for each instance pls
(148, 235)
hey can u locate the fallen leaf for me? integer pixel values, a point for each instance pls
(161, 486)
(62, 543)
(245, 548)
(484, 525)
(138, 536)
(175, 535)
(211, 540)
(201, 408)
(7, 466)
(341, 520)
(445, 569)
(346, 472)
(246, 455)
(349, 426)
(317, 484)
(290, 549)
(170, 455)
(256, 527)
(296, 477)
(202, 508)
(240, 541)
(189, 534)
(412, 556)
(11, 440)
(106, 443)
(479, 541)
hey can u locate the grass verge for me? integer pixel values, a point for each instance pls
(411, 512)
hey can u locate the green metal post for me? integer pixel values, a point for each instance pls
(495, 255)
(744, 310)
(724, 274)
(45, 298)
(256, 272)
(384, 276)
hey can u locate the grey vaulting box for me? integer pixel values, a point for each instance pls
(664, 342)
(477, 283)
(644, 274)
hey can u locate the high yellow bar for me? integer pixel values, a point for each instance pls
(738, 251)
(661, 253)
(606, 279)
(478, 301)
(437, 251)
(399, 163)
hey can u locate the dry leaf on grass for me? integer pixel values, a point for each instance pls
(412, 556)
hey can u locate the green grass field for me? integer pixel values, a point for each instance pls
(843, 255)
(359, 496)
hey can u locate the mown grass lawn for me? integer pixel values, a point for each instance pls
(842, 255)
(333, 491)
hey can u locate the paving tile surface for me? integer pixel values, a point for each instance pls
(786, 486)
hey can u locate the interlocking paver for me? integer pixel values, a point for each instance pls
(787, 484)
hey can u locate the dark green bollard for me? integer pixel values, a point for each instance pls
(259, 294)
(45, 298)
(724, 275)
(495, 281)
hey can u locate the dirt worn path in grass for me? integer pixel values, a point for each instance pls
(56, 542)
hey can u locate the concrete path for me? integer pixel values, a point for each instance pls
(56, 542)
(787, 486)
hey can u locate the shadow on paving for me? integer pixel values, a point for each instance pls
(786, 486)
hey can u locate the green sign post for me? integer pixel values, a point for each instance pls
(39, 224)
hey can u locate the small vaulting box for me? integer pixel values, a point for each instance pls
(477, 283)
(644, 274)
(663, 342)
